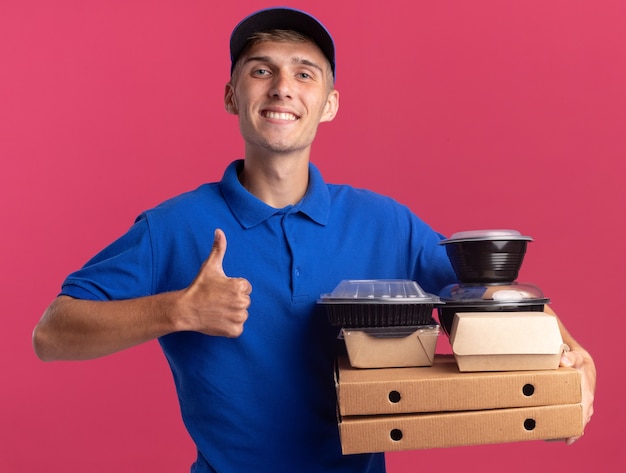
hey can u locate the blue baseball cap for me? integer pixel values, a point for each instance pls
(281, 19)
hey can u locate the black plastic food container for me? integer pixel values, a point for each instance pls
(486, 256)
(379, 303)
(515, 297)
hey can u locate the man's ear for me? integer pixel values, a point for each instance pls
(332, 106)
(230, 103)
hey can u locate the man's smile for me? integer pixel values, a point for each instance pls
(279, 115)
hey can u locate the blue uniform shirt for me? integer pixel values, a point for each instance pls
(265, 401)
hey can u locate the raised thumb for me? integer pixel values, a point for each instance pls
(216, 257)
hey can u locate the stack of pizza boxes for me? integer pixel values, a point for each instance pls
(500, 382)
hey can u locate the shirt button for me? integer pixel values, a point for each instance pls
(297, 272)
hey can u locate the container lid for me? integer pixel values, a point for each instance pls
(388, 291)
(495, 293)
(486, 235)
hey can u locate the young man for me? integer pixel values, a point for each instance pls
(254, 372)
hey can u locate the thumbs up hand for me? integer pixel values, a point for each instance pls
(215, 304)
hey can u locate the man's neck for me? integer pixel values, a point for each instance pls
(278, 180)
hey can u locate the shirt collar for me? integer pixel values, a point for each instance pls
(250, 211)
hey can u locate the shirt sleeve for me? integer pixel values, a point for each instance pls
(432, 268)
(123, 270)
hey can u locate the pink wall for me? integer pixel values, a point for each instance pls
(480, 114)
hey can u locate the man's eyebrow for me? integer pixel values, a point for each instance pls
(307, 62)
(256, 58)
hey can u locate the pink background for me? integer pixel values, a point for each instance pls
(477, 114)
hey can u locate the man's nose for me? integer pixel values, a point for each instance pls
(281, 86)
